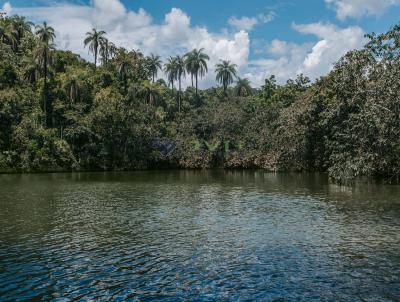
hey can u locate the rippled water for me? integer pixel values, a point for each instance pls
(197, 236)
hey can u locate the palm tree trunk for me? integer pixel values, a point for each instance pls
(95, 58)
(179, 95)
(192, 79)
(196, 77)
(153, 77)
(45, 89)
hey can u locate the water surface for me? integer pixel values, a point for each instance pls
(197, 236)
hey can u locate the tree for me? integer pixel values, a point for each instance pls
(124, 64)
(8, 34)
(31, 71)
(243, 87)
(44, 55)
(170, 70)
(196, 64)
(154, 64)
(73, 87)
(180, 72)
(21, 27)
(107, 50)
(188, 59)
(226, 72)
(94, 39)
(151, 92)
(45, 33)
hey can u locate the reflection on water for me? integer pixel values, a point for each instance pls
(197, 236)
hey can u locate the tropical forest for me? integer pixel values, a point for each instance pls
(126, 110)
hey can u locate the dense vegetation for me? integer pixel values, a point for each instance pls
(60, 112)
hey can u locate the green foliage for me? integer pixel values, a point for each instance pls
(108, 118)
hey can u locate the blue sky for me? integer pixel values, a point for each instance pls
(262, 37)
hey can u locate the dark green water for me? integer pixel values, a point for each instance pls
(197, 236)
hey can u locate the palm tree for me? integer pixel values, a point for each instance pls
(225, 73)
(137, 61)
(189, 65)
(196, 64)
(45, 33)
(154, 64)
(8, 34)
(94, 39)
(73, 89)
(31, 71)
(170, 70)
(180, 72)
(150, 91)
(44, 55)
(104, 50)
(123, 64)
(243, 87)
(21, 26)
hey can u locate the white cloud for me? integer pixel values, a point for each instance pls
(359, 8)
(248, 23)
(177, 35)
(7, 8)
(244, 23)
(136, 29)
(312, 59)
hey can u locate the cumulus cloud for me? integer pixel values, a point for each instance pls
(312, 59)
(176, 34)
(244, 23)
(137, 30)
(248, 23)
(7, 8)
(359, 8)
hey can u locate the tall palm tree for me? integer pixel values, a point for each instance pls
(189, 65)
(94, 39)
(8, 34)
(112, 50)
(180, 72)
(243, 87)
(170, 70)
(226, 72)
(44, 55)
(154, 64)
(196, 64)
(104, 50)
(45, 33)
(21, 26)
(124, 64)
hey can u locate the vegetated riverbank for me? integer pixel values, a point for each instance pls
(59, 112)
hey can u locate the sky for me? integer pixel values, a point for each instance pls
(262, 37)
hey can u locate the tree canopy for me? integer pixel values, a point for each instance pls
(60, 112)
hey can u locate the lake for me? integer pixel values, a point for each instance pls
(197, 236)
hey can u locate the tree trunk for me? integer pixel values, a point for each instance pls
(45, 89)
(179, 95)
(95, 58)
(196, 82)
